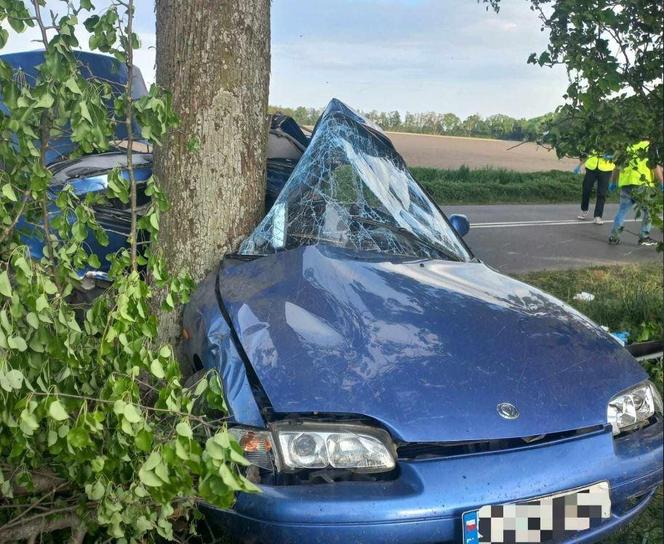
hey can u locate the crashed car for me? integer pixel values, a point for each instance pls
(89, 174)
(385, 384)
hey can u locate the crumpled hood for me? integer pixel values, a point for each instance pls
(427, 348)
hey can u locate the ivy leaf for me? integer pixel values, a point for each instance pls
(57, 411)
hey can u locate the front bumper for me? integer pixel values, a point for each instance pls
(425, 502)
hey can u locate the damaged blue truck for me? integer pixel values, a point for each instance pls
(388, 386)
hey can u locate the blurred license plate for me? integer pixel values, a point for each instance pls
(547, 519)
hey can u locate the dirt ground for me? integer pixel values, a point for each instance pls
(453, 152)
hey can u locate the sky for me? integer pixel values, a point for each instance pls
(405, 55)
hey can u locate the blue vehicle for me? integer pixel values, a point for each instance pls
(90, 173)
(385, 384)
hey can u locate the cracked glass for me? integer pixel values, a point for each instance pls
(351, 189)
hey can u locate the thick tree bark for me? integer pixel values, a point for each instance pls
(214, 57)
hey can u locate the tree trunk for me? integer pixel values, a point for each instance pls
(214, 57)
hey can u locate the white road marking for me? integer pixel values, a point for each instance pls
(511, 224)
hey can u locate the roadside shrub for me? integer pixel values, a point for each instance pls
(497, 185)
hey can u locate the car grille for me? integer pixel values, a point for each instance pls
(430, 450)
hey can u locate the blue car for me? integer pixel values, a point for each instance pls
(89, 174)
(385, 384)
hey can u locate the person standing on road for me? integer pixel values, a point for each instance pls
(632, 178)
(598, 170)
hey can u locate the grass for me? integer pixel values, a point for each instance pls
(626, 298)
(497, 185)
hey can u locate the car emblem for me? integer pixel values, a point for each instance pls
(507, 410)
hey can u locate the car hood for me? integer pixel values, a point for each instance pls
(427, 348)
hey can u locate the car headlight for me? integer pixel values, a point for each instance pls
(316, 446)
(633, 407)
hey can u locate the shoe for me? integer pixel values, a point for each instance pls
(647, 241)
(598, 221)
(582, 216)
(614, 239)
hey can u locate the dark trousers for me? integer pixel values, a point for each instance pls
(602, 179)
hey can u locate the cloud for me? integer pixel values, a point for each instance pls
(406, 55)
(413, 55)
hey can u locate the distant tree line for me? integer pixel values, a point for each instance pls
(499, 126)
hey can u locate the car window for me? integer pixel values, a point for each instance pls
(352, 189)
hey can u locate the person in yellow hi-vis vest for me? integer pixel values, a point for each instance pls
(598, 170)
(636, 174)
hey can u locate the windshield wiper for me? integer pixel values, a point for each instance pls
(409, 234)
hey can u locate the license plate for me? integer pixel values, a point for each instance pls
(546, 519)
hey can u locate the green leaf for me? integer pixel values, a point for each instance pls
(165, 352)
(229, 478)
(93, 261)
(157, 369)
(131, 414)
(49, 287)
(17, 343)
(57, 411)
(161, 470)
(184, 429)
(45, 101)
(149, 478)
(214, 450)
(73, 86)
(8, 191)
(152, 461)
(14, 378)
(28, 423)
(78, 437)
(32, 320)
(41, 303)
(143, 440)
(85, 112)
(5, 285)
(95, 491)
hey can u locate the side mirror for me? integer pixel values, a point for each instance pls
(460, 224)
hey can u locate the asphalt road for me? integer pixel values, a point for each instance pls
(521, 238)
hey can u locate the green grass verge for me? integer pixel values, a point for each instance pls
(626, 298)
(496, 185)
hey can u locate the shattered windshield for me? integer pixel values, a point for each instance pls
(352, 189)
